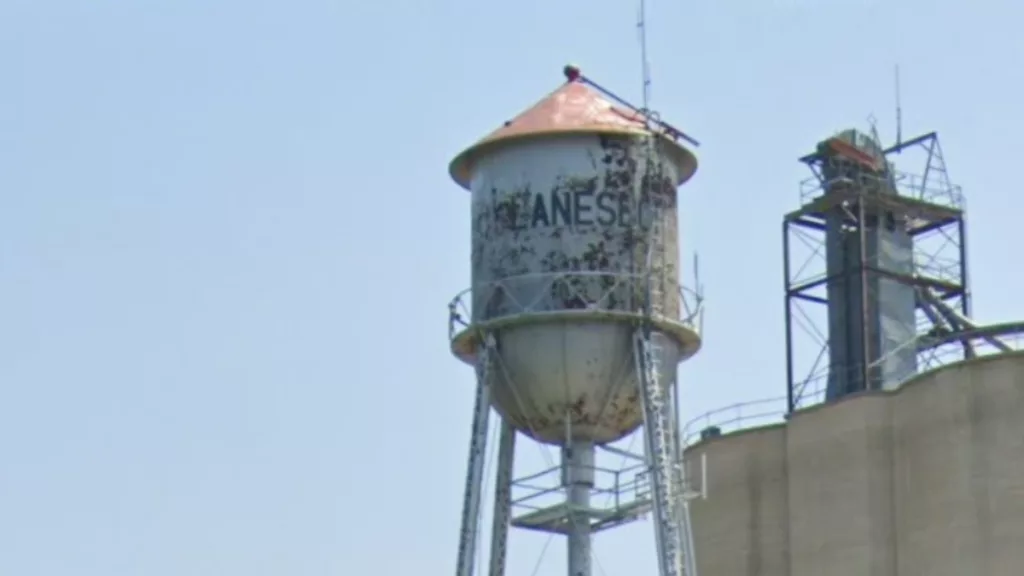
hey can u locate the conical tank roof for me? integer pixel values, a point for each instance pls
(574, 108)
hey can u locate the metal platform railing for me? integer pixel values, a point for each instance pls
(733, 418)
(985, 341)
(619, 495)
(595, 291)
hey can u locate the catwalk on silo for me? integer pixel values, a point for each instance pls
(576, 319)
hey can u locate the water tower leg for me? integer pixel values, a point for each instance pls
(502, 499)
(578, 479)
(661, 457)
(475, 473)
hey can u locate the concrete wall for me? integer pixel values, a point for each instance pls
(927, 480)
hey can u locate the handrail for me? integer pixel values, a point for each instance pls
(460, 312)
(934, 351)
(907, 184)
(735, 417)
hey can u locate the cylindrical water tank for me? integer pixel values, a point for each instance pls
(561, 266)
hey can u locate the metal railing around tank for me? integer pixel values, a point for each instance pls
(576, 288)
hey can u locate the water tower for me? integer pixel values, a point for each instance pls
(576, 320)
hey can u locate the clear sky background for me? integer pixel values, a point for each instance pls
(228, 238)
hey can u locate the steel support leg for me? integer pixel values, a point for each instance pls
(477, 451)
(682, 481)
(502, 499)
(689, 556)
(665, 469)
(578, 479)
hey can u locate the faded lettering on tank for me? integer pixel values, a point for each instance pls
(598, 220)
(573, 206)
(584, 231)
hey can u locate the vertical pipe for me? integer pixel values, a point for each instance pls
(965, 305)
(502, 499)
(578, 479)
(864, 298)
(787, 287)
(965, 291)
(704, 475)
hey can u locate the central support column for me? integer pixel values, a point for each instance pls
(578, 479)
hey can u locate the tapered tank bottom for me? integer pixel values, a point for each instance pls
(578, 380)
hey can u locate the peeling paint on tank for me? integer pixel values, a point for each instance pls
(506, 246)
(543, 209)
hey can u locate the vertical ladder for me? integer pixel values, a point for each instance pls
(672, 522)
(660, 457)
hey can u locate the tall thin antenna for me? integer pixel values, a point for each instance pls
(645, 68)
(899, 112)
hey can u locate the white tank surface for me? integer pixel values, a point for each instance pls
(560, 262)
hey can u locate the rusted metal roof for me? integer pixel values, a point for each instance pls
(574, 108)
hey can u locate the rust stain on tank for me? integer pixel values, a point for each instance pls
(506, 238)
(537, 219)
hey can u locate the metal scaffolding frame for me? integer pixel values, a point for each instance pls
(933, 211)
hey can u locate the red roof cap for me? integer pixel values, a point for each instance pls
(574, 108)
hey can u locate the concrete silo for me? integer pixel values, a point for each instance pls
(924, 479)
(899, 449)
(576, 320)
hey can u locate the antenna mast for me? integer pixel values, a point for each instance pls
(899, 113)
(645, 67)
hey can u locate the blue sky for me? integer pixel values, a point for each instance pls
(227, 241)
